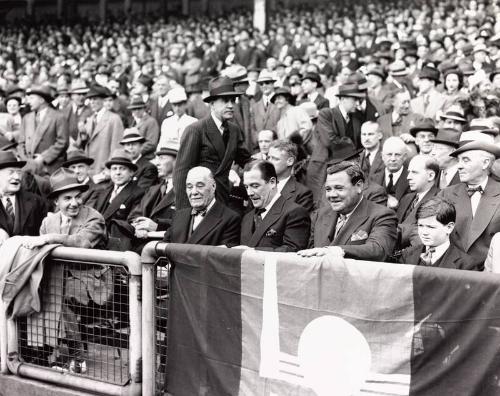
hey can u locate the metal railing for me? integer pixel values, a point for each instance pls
(88, 334)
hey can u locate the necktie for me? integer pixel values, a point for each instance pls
(341, 220)
(225, 133)
(93, 123)
(198, 212)
(37, 119)
(257, 218)
(65, 224)
(366, 163)
(427, 256)
(390, 185)
(472, 190)
(9, 208)
(114, 194)
(347, 119)
(414, 203)
(163, 188)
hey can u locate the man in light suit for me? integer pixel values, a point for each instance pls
(276, 223)
(43, 137)
(351, 226)
(214, 142)
(265, 113)
(160, 106)
(429, 100)
(207, 221)
(101, 133)
(399, 121)
(422, 173)
(477, 197)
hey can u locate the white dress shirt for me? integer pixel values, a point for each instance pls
(270, 205)
(439, 251)
(476, 197)
(395, 176)
(198, 218)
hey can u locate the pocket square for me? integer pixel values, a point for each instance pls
(122, 206)
(271, 233)
(359, 236)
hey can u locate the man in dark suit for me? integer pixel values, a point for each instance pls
(133, 142)
(146, 125)
(160, 106)
(477, 197)
(21, 212)
(422, 174)
(283, 155)
(43, 137)
(207, 221)
(310, 84)
(276, 223)
(371, 157)
(116, 201)
(351, 226)
(213, 142)
(436, 221)
(394, 177)
(445, 142)
(79, 163)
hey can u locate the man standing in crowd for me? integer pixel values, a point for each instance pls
(147, 126)
(371, 157)
(310, 84)
(160, 106)
(351, 226)
(276, 223)
(429, 100)
(399, 121)
(214, 142)
(43, 138)
(265, 113)
(207, 221)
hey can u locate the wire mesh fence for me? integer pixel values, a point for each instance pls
(162, 290)
(83, 327)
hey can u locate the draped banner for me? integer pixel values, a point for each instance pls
(259, 323)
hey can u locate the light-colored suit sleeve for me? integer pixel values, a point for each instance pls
(492, 263)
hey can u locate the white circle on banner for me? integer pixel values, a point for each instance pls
(334, 356)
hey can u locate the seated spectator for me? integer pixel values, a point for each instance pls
(351, 226)
(146, 125)
(436, 221)
(445, 142)
(423, 132)
(79, 163)
(207, 221)
(283, 155)
(133, 142)
(264, 140)
(73, 225)
(275, 224)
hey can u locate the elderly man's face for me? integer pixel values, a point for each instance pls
(394, 156)
(472, 166)
(81, 170)
(69, 203)
(402, 103)
(200, 189)
(342, 195)
(423, 141)
(10, 180)
(120, 174)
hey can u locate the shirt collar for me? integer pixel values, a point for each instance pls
(482, 184)
(218, 122)
(134, 161)
(281, 183)
(344, 113)
(270, 204)
(440, 251)
(64, 219)
(422, 194)
(395, 175)
(209, 205)
(312, 96)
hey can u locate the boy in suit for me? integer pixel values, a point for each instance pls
(436, 221)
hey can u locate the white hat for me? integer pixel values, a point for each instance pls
(177, 95)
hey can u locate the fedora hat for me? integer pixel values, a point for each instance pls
(77, 157)
(265, 76)
(136, 103)
(351, 90)
(120, 157)
(448, 136)
(237, 73)
(343, 149)
(378, 71)
(78, 87)
(9, 160)
(98, 91)
(283, 91)
(15, 90)
(166, 151)
(177, 95)
(220, 87)
(17, 98)
(313, 77)
(359, 79)
(424, 125)
(483, 145)
(43, 91)
(311, 109)
(454, 112)
(132, 135)
(145, 80)
(64, 179)
(430, 73)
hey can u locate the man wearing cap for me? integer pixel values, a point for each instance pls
(214, 142)
(310, 84)
(133, 142)
(454, 118)
(79, 163)
(77, 111)
(206, 221)
(147, 126)
(73, 225)
(351, 226)
(21, 212)
(43, 137)
(173, 127)
(102, 132)
(399, 121)
(423, 133)
(123, 194)
(265, 113)
(160, 105)
(429, 100)
(477, 196)
(445, 142)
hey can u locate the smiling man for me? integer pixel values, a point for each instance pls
(214, 142)
(351, 226)
(276, 223)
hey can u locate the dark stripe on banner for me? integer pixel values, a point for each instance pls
(456, 345)
(205, 321)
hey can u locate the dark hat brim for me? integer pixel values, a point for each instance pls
(76, 186)
(129, 165)
(136, 106)
(357, 95)
(414, 131)
(81, 160)
(46, 96)
(345, 157)
(167, 151)
(12, 164)
(446, 142)
(231, 94)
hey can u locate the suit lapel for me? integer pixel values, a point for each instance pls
(209, 222)
(41, 129)
(215, 137)
(487, 207)
(339, 121)
(449, 258)
(274, 214)
(119, 200)
(402, 184)
(100, 125)
(357, 218)
(24, 204)
(231, 145)
(167, 200)
(464, 215)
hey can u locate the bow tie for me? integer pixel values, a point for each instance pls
(195, 212)
(472, 190)
(259, 211)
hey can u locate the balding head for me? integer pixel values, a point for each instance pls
(394, 153)
(200, 187)
(422, 173)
